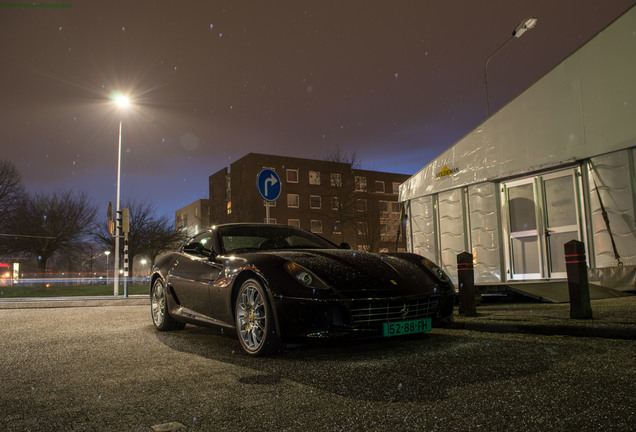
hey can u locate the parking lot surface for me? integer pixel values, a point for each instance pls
(105, 368)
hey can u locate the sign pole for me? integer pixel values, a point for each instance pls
(269, 186)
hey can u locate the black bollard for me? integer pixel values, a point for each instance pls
(466, 279)
(578, 285)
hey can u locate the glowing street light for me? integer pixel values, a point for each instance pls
(524, 26)
(122, 101)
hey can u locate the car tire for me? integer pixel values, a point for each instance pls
(161, 317)
(254, 320)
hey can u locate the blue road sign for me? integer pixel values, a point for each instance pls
(268, 184)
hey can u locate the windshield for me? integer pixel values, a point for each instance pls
(247, 238)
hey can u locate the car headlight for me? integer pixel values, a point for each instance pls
(434, 268)
(304, 276)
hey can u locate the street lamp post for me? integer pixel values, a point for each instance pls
(523, 27)
(122, 101)
(107, 253)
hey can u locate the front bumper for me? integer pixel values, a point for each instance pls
(300, 318)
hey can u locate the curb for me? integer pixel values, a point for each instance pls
(606, 332)
(67, 302)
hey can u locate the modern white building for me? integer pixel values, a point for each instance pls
(539, 173)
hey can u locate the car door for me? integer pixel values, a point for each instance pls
(193, 273)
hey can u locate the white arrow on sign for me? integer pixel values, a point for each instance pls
(271, 181)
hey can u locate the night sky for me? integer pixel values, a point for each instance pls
(396, 82)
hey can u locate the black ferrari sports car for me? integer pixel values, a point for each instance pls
(276, 283)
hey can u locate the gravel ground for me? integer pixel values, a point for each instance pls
(105, 368)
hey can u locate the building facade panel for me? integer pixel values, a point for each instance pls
(484, 231)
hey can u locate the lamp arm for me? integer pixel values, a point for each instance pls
(486, 71)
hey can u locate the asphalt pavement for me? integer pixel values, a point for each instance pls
(613, 318)
(97, 364)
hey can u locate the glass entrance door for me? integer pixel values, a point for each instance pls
(524, 248)
(543, 213)
(561, 213)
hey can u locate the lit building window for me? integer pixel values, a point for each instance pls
(314, 177)
(361, 205)
(316, 226)
(336, 179)
(395, 210)
(361, 184)
(336, 228)
(293, 200)
(292, 176)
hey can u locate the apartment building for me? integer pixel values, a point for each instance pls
(194, 217)
(332, 199)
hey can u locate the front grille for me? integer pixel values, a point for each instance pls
(373, 313)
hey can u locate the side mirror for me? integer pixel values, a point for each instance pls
(345, 245)
(198, 249)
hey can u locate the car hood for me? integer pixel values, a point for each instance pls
(351, 273)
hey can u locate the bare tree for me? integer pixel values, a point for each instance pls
(369, 228)
(11, 190)
(342, 182)
(377, 231)
(159, 235)
(149, 235)
(45, 224)
(88, 254)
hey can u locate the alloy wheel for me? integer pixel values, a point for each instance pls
(251, 316)
(158, 303)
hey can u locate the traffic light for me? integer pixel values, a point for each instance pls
(123, 221)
